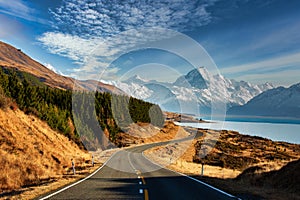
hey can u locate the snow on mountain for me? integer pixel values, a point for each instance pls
(277, 102)
(197, 90)
(133, 89)
(198, 79)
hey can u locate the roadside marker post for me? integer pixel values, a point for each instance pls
(202, 161)
(73, 167)
(93, 160)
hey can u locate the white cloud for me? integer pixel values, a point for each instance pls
(92, 55)
(19, 8)
(107, 18)
(15, 6)
(280, 70)
(95, 54)
(94, 33)
(276, 38)
(74, 47)
(281, 78)
(273, 63)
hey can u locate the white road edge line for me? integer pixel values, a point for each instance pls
(69, 186)
(212, 187)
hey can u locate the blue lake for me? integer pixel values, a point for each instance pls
(260, 119)
(274, 131)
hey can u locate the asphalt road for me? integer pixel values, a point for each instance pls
(129, 175)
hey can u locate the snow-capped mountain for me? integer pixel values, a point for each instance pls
(197, 90)
(280, 102)
(197, 78)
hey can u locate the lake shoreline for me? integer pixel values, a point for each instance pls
(274, 131)
(258, 119)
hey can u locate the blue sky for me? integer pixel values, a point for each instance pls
(256, 41)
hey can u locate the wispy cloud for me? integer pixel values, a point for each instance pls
(273, 63)
(9, 27)
(71, 46)
(15, 6)
(281, 78)
(256, 71)
(93, 32)
(94, 55)
(19, 8)
(275, 36)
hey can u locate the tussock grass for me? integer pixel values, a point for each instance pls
(236, 151)
(32, 153)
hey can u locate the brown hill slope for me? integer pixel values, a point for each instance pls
(286, 178)
(10, 57)
(31, 152)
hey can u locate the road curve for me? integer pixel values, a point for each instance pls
(129, 175)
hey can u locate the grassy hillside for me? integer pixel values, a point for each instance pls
(31, 152)
(56, 107)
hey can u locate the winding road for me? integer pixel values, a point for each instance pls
(128, 174)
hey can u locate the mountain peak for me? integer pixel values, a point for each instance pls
(276, 102)
(198, 78)
(295, 86)
(136, 79)
(205, 74)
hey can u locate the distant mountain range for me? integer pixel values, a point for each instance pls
(197, 89)
(277, 102)
(197, 92)
(10, 57)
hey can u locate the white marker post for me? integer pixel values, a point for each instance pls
(202, 161)
(73, 167)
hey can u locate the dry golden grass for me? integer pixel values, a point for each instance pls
(32, 153)
(179, 157)
(35, 191)
(60, 180)
(236, 151)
